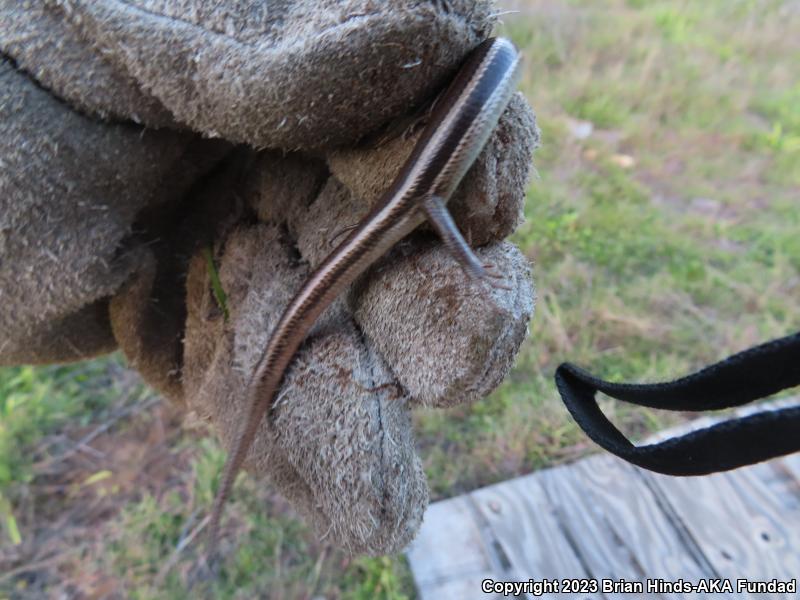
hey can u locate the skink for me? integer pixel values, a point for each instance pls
(461, 121)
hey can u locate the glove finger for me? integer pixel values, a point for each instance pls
(448, 339)
(345, 425)
(43, 42)
(488, 204)
(303, 74)
(66, 241)
(148, 314)
(339, 442)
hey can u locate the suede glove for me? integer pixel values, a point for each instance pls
(153, 153)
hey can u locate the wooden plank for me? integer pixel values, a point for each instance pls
(601, 518)
(792, 464)
(779, 481)
(524, 524)
(617, 525)
(448, 557)
(747, 521)
(464, 587)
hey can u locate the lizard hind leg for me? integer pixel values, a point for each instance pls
(441, 220)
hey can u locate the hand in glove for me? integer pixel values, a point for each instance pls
(115, 225)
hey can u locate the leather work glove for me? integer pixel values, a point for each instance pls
(154, 156)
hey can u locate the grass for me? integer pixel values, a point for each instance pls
(121, 510)
(664, 240)
(34, 403)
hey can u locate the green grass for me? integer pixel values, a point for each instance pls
(127, 538)
(216, 285)
(34, 403)
(648, 271)
(643, 272)
(274, 553)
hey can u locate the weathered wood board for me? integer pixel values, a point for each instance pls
(525, 529)
(452, 533)
(618, 525)
(602, 519)
(744, 528)
(793, 466)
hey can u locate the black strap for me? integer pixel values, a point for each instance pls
(737, 380)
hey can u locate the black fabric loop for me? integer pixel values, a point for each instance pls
(737, 380)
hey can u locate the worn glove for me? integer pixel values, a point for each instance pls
(146, 146)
